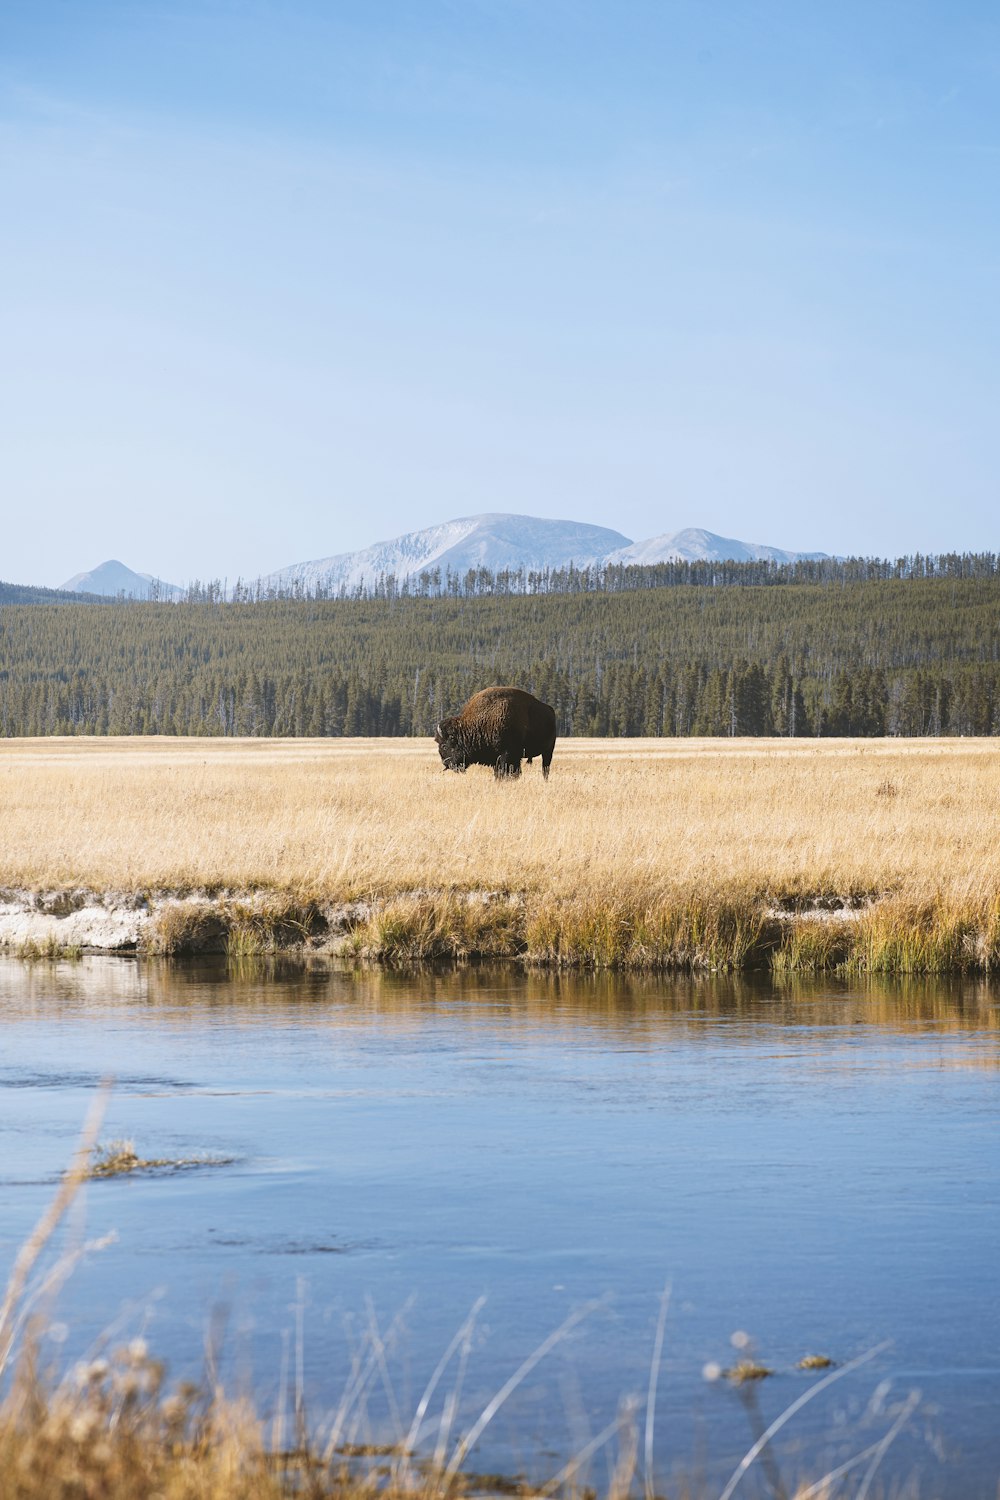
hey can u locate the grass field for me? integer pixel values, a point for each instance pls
(635, 852)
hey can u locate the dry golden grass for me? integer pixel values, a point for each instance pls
(348, 817)
(111, 1432)
(634, 850)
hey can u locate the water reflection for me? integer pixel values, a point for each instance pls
(643, 1003)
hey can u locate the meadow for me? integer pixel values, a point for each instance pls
(878, 855)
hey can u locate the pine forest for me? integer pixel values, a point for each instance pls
(854, 648)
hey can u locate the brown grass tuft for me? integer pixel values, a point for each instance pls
(449, 926)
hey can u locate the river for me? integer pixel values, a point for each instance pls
(815, 1165)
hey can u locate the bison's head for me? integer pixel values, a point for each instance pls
(450, 746)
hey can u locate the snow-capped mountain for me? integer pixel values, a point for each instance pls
(508, 541)
(695, 545)
(495, 542)
(112, 578)
(489, 541)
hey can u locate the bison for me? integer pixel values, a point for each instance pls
(496, 728)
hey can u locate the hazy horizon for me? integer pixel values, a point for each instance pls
(285, 283)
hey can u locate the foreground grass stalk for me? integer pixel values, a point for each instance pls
(73, 1179)
(463, 1337)
(654, 1375)
(586, 1453)
(746, 1462)
(108, 1431)
(507, 1389)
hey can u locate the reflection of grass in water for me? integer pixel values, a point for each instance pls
(110, 1430)
(555, 1000)
(118, 1158)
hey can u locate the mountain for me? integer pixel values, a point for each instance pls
(495, 541)
(507, 541)
(488, 541)
(112, 578)
(695, 545)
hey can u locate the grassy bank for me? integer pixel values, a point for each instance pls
(867, 856)
(725, 930)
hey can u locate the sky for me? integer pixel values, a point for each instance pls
(283, 278)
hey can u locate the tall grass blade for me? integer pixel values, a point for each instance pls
(363, 1372)
(72, 1180)
(822, 1486)
(747, 1460)
(654, 1375)
(587, 1451)
(624, 1471)
(507, 1389)
(883, 1447)
(463, 1335)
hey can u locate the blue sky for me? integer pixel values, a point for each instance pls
(282, 278)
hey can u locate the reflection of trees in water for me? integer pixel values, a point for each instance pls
(643, 1006)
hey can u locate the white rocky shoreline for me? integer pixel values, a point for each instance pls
(86, 921)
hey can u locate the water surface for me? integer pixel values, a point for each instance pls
(815, 1164)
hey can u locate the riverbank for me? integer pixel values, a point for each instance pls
(716, 931)
(864, 856)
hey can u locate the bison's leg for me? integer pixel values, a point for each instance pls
(507, 765)
(547, 759)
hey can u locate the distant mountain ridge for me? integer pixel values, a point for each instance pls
(112, 578)
(494, 541)
(499, 541)
(697, 545)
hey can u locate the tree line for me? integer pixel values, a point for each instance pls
(610, 578)
(903, 652)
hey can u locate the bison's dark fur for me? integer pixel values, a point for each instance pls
(498, 727)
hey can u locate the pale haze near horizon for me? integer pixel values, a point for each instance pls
(283, 281)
